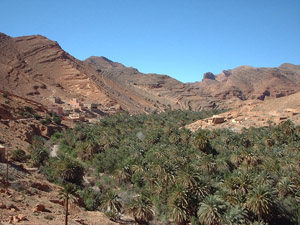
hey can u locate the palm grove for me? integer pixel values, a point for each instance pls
(150, 167)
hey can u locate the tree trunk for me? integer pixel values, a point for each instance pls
(6, 170)
(67, 209)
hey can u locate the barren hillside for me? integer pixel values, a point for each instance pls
(37, 68)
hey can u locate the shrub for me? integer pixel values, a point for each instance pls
(43, 122)
(27, 114)
(18, 155)
(48, 120)
(27, 108)
(37, 116)
(49, 217)
(57, 119)
(7, 101)
(4, 95)
(39, 155)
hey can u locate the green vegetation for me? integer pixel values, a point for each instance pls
(46, 121)
(37, 116)
(4, 95)
(19, 155)
(7, 101)
(28, 109)
(150, 167)
(56, 119)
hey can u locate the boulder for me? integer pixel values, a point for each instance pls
(39, 208)
(22, 217)
(42, 187)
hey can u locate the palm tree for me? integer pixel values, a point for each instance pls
(286, 186)
(91, 147)
(70, 170)
(141, 208)
(178, 213)
(178, 205)
(260, 200)
(208, 162)
(201, 142)
(236, 215)
(211, 210)
(185, 137)
(110, 204)
(67, 192)
(123, 174)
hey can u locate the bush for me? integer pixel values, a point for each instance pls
(37, 116)
(57, 119)
(7, 101)
(27, 114)
(39, 156)
(27, 108)
(46, 121)
(18, 155)
(4, 95)
(91, 198)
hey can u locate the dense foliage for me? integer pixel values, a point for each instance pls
(150, 167)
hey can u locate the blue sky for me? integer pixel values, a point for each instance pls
(180, 38)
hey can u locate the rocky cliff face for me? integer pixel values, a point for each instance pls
(37, 68)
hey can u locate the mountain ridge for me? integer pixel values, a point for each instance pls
(38, 68)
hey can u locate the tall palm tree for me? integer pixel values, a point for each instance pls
(260, 200)
(211, 210)
(67, 193)
(141, 207)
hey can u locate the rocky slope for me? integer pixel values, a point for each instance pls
(37, 68)
(17, 123)
(31, 199)
(254, 113)
(247, 82)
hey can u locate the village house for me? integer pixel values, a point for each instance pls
(56, 109)
(76, 117)
(57, 100)
(76, 104)
(91, 106)
(216, 120)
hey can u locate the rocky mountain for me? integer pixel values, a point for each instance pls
(247, 82)
(38, 68)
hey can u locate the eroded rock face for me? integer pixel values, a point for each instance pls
(227, 73)
(209, 75)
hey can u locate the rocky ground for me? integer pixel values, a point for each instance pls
(31, 199)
